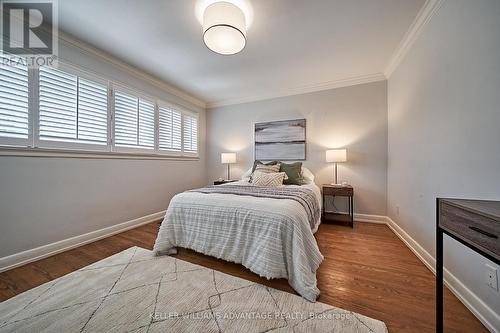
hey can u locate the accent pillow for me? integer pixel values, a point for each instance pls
(247, 174)
(264, 168)
(294, 173)
(307, 176)
(268, 179)
(257, 162)
(267, 168)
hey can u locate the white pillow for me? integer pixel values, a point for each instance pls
(307, 176)
(247, 174)
(274, 179)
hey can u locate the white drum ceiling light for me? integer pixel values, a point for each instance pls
(224, 28)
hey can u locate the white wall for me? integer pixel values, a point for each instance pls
(44, 200)
(352, 117)
(444, 130)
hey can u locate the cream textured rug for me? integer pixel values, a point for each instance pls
(133, 291)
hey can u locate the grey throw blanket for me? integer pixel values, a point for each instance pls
(303, 196)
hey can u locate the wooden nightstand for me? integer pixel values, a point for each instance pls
(220, 182)
(339, 191)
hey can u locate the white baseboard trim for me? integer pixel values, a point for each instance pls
(370, 218)
(25, 257)
(421, 253)
(483, 312)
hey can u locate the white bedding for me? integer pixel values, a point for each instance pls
(271, 237)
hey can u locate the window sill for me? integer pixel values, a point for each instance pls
(67, 153)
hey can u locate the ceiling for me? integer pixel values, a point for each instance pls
(292, 45)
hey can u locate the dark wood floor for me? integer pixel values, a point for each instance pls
(366, 269)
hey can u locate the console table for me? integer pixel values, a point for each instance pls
(475, 224)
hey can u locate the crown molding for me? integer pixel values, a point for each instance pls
(428, 10)
(302, 90)
(93, 51)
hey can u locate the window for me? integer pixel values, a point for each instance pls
(170, 129)
(178, 131)
(134, 121)
(190, 128)
(14, 109)
(72, 109)
(68, 108)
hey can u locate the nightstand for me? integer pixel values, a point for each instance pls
(220, 182)
(339, 191)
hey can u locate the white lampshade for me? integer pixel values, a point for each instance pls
(224, 28)
(228, 158)
(336, 155)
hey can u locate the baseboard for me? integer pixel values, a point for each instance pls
(370, 218)
(483, 312)
(425, 257)
(25, 257)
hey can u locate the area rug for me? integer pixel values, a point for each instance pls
(134, 291)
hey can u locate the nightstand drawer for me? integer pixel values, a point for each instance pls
(338, 190)
(482, 231)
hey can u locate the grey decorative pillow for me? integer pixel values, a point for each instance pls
(294, 173)
(257, 162)
(268, 168)
(268, 179)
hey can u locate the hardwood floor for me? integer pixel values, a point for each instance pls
(367, 269)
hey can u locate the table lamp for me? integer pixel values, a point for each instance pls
(228, 158)
(335, 156)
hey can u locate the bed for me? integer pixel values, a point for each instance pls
(269, 231)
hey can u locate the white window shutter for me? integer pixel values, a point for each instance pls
(92, 111)
(73, 110)
(134, 121)
(190, 127)
(58, 105)
(14, 114)
(170, 136)
(73, 113)
(125, 119)
(146, 124)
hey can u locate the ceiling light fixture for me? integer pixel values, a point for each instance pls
(224, 28)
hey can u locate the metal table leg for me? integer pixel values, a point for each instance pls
(439, 280)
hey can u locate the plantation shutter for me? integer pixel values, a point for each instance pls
(14, 119)
(134, 121)
(125, 119)
(58, 104)
(170, 136)
(190, 125)
(92, 112)
(73, 112)
(146, 124)
(72, 109)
